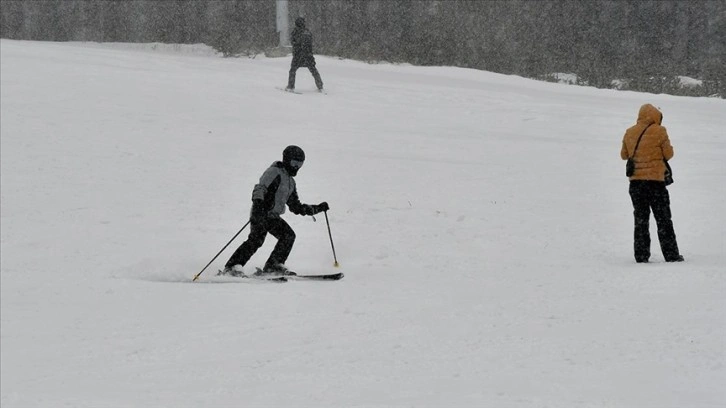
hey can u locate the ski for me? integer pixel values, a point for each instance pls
(279, 279)
(290, 275)
(332, 276)
(284, 278)
(270, 279)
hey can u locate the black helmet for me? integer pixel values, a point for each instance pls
(293, 153)
(290, 154)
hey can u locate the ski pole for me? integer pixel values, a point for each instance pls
(331, 240)
(220, 251)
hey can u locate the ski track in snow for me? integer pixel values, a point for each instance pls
(482, 222)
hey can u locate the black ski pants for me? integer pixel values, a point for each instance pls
(279, 229)
(311, 66)
(647, 195)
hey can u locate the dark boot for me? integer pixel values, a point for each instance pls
(275, 270)
(235, 271)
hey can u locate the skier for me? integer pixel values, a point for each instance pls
(647, 186)
(269, 197)
(302, 54)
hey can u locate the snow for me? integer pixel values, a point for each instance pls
(566, 78)
(177, 49)
(688, 82)
(482, 221)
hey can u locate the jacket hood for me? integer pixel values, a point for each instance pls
(300, 22)
(649, 114)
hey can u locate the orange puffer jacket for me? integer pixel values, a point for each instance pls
(654, 145)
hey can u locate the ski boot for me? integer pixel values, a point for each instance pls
(275, 270)
(234, 271)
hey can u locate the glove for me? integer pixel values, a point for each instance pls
(321, 207)
(257, 215)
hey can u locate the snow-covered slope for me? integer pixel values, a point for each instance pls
(482, 221)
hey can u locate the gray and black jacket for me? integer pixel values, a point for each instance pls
(277, 189)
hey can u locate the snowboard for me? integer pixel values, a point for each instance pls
(288, 90)
(295, 91)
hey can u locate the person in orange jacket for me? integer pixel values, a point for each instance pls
(647, 183)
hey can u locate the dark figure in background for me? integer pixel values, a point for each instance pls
(275, 190)
(302, 54)
(647, 186)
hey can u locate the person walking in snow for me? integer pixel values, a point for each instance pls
(275, 190)
(302, 54)
(647, 183)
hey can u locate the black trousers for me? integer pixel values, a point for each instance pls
(311, 66)
(648, 195)
(278, 228)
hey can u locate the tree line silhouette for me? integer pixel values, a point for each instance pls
(629, 44)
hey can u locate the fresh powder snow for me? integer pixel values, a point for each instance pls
(482, 221)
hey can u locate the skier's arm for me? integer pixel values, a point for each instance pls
(295, 38)
(296, 207)
(666, 146)
(305, 209)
